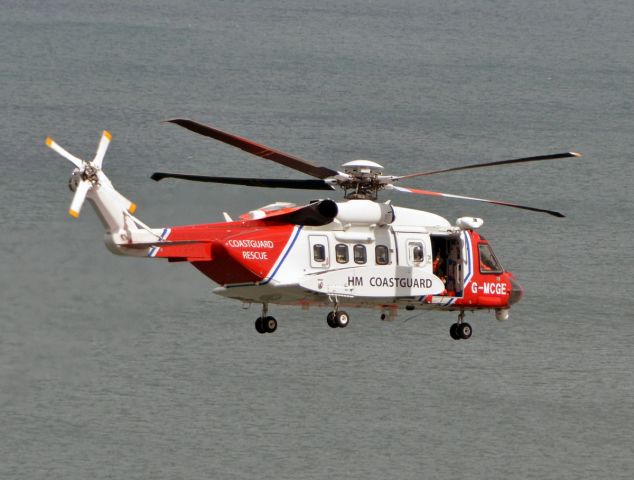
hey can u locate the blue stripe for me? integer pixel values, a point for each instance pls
(154, 250)
(470, 273)
(467, 277)
(283, 258)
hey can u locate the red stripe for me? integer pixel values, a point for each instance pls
(423, 192)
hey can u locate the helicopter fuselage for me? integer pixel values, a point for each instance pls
(416, 261)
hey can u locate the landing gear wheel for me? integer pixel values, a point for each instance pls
(270, 324)
(266, 324)
(342, 319)
(259, 325)
(331, 320)
(465, 331)
(453, 331)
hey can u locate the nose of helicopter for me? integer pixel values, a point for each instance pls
(517, 291)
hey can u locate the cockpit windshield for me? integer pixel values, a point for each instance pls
(488, 262)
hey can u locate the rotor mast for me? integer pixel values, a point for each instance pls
(364, 180)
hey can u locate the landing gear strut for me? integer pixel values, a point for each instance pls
(337, 318)
(265, 323)
(461, 330)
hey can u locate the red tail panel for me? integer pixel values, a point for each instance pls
(259, 250)
(190, 252)
(229, 253)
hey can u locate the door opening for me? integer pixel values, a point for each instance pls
(447, 262)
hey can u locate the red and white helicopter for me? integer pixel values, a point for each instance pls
(359, 252)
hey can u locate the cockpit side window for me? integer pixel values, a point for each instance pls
(488, 262)
(416, 253)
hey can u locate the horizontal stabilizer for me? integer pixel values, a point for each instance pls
(161, 244)
(189, 250)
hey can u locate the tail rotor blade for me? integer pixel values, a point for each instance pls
(125, 203)
(78, 162)
(106, 137)
(78, 199)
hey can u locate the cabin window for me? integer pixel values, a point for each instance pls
(488, 262)
(360, 255)
(416, 252)
(341, 253)
(382, 255)
(319, 252)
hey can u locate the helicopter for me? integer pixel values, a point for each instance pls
(359, 252)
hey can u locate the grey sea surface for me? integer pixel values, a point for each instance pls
(114, 367)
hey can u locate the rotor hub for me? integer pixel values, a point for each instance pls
(363, 179)
(362, 168)
(90, 173)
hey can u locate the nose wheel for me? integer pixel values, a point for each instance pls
(461, 330)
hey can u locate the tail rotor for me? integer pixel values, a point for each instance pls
(86, 175)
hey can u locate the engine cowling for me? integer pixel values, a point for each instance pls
(365, 212)
(469, 223)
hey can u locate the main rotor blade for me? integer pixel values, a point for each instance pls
(256, 149)
(494, 202)
(555, 156)
(250, 182)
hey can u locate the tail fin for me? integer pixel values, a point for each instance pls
(88, 181)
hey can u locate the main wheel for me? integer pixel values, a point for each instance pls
(453, 331)
(259, 325)
(331, 320)
(465, 331)
(270, 324)
(342, 319)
